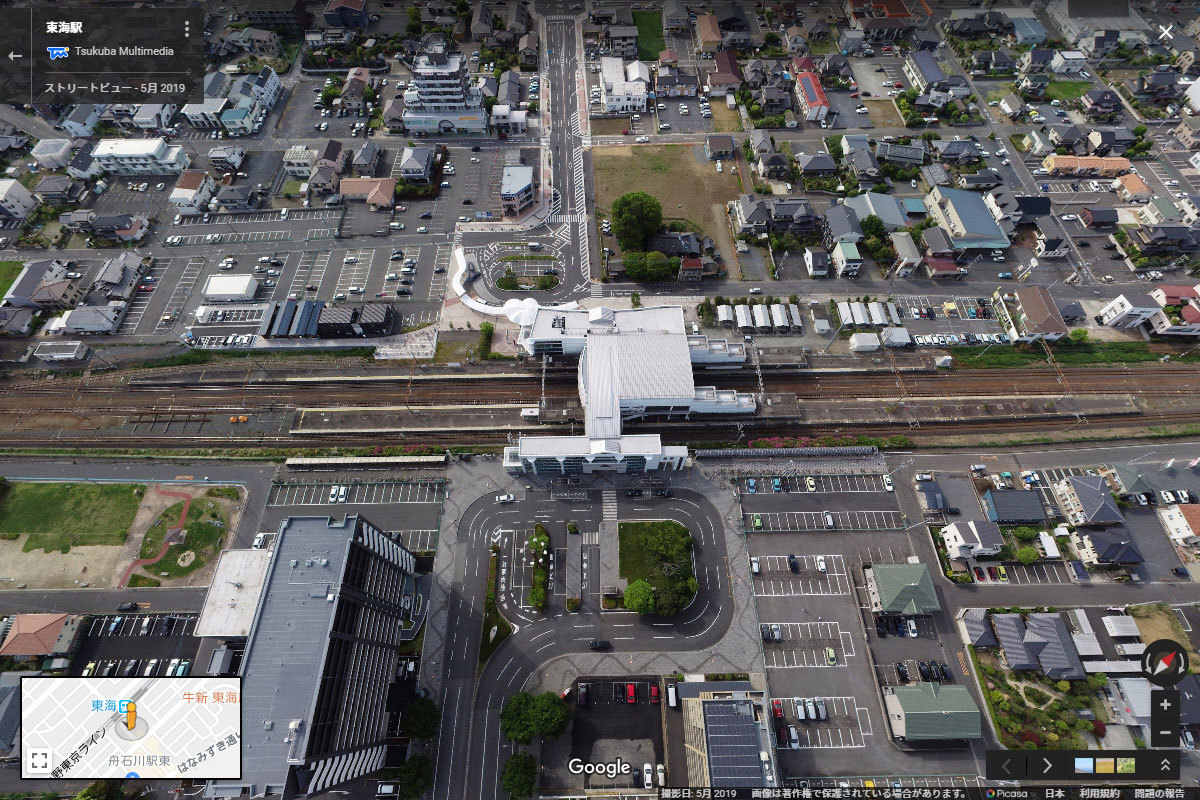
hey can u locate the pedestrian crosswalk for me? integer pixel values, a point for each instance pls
(597, 290)
(609, 504)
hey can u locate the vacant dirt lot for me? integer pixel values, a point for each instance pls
(884, 114)
(609, 127)
(684, 181)
(725, 119)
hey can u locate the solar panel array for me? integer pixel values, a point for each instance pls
(732, 737)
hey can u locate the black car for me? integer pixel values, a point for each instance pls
(793, 564)
(1109, 246)
(599, 644)
(898, 626)
(1116, 257)
(946, 676)
(468, 201)
(403, 292)
(1084, 243)
(438, 270)
(880, 628)
(426, 215)
(902, 673)
(475, 149)
(1181, 572)
(766, 632)
(127, 607)
(581, 698)
(923, 668)
(633, 492)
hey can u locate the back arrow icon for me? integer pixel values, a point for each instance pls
(14, 56)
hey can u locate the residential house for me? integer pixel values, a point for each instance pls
(1031, 315)
(235, 42)
(241, 197)
(719, 146)
(82, 120)
(1037, 143)
(58, 190)
(736, 41)
(817, 261)
(416, 164)
(481, 21)
(332, 155)
(940, 256)
(323, 180)
(354, 89)
(951, 151)
(1109, 141)
(1099, 217)
(773, 100)
(923, 70)
(1034, 85)
(840, 224)
(287, 15)
(1012, 105)
(773, 165)
(227, 158)
(708, 34)
(1128, 311)
(117, 227)
(393, 114)
(909, 155)
(888, 209)
(1026, 31)
(377, 193)
(674, 244)
(52, 153)
(865, 165)
(622, 40)
(1098, 44)
(1068, 62)
(1160, 210)
(993, 62)
(731, 17)
(676, 82)
(99, 319)
(1017, 209)
(15, 322)
(1190, 205)
(207, 113)
(1088, 500)
(1051, 247)
(816, 29)
(750, 214)
(509, 120)
(366, 160)
(1188, 132)
(1113, 547)
(529, 50)
(298, 161)
(1161, 85)
(972, 539)
(908, 257)
(192, 192)
(1035, 61)
(795, 40)
(1085, 166)
(935, 175)
(966, 218)
(816, 164)
(726, 76)
(810, 97)
(675, 17)
(1101, 102)
(347, 14)
(761, 142)
(1159, 239)
(1038, 642)
(16, 202)
(978, 182)
(41, 635)
(847, 260)
(153, 116)
(884, 30)
(1065, 135)
(32, 275)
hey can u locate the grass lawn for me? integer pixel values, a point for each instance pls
(136, 581)
(650, 34)
(449, 352)
(206, 525)
(884, 113)
(9, 270)
(687, 185)
(725, 119)
(821, 47)
(1067, 90)
(291, 187)
(60, 515)
(637, 562)
(1065, 352)
(1159, 621)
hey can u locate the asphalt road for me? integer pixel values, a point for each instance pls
(471, 750)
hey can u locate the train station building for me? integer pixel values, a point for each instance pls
(633, 364)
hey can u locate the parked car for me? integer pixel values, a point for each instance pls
(793, 562)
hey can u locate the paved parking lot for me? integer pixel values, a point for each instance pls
(846, 725)
(821, 483)
(803, 645)
(357, 493)
(777, 580)
(115, 646)
(778, 521)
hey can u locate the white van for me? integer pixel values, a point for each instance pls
(529, 413)
(672, 700)
(408, 271)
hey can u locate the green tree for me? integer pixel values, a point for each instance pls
(102, 790)
(639, 597)
(1063, 686)
(635, 299)
(666, 540)
(1025, 534)
(1139, 131)
(550, 715)
(873, 226)
(771, 39)
(636, 215)
(415, 777)
(414, 22)
(516, 719)
(668, 602)
(1079, 335)
(421, 718)
(519, 777)
(463, 7)
(532, 106)
(1028, 555)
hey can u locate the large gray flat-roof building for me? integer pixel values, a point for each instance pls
(320, 658)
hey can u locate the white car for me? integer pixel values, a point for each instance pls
(636, 117)
(1068, 217)
(505, 498)
(861, 110)
(350, 260)
(642, 139)
(755, 565)
(821, 564)
(887, 483)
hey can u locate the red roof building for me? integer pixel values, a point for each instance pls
(40, 635)
(814, 105)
